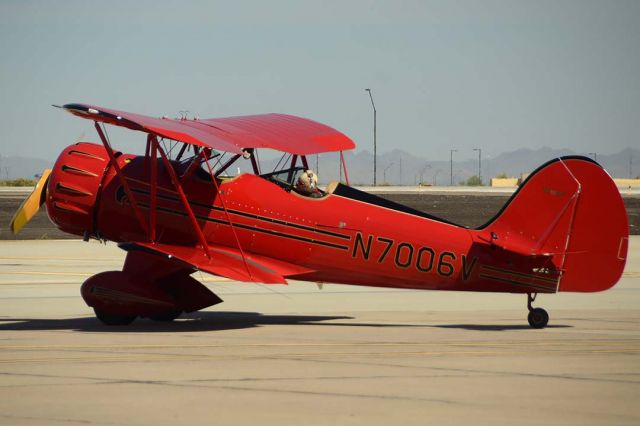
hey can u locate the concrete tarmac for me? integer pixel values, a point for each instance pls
(280, 355)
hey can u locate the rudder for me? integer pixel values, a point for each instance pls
(570, 211)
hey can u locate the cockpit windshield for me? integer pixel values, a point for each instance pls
(289, 171)
(285, 178)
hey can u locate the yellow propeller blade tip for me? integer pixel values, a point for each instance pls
(31, 205)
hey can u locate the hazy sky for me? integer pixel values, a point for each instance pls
(499, 75)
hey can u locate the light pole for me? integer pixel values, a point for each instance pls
(384, 173)
(375, 152)
(435, 178)
(594, 155)
(479, 164)
(451, 151)
(426, 166)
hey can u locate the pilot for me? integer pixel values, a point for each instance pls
(307, 184)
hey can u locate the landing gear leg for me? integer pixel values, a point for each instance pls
(538, 317)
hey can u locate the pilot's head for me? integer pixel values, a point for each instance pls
(307, 182)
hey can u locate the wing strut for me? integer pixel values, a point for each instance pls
(233, 229)
(344, 167)
(152, 157)
(226, 165)
(123, 180)
(195, 163)
(183, 198)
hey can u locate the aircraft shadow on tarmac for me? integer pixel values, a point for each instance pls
(196, 321)
(496, 327)
(218, 321)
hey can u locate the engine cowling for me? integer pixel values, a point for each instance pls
(73, 192)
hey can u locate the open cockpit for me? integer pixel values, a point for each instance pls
(290, 172)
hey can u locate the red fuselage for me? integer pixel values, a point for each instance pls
(337, 238)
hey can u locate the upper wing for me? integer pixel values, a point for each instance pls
(226, 262)
(281, 132)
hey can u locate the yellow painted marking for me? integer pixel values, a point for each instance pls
(101, 259)
(78, 274)
(92, 359)
(453, 353)
(327, 344)
(87, 274)
(323, 355)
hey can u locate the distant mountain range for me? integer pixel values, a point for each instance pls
(22, 167)
(415, 169)
(399, 167)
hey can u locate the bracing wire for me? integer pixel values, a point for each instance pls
(279, 161)
(255, 152)
(106, 134)
(220, 157)
(172, 145)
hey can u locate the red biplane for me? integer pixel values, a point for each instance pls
(176, 211)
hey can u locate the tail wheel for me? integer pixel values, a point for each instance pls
(538, 317)
(112, 319)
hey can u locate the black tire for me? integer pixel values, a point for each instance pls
(111, 319)
(167, 316)
(538, 318)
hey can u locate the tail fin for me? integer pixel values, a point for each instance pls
(570, 211)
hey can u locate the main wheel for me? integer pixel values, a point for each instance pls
(167, 316)
(538, 318)
(111, 319)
